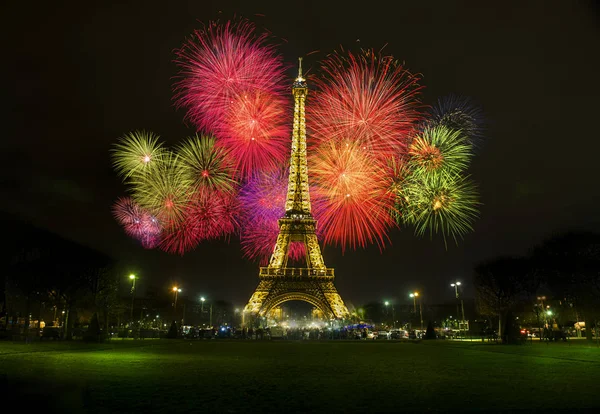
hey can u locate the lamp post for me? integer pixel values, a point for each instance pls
(541, 300)
(455, 285)
(202, 300)
(415, 295)
(132, 277)
(176, 291)
(387, 303)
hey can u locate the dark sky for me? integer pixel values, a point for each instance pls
(81, 75)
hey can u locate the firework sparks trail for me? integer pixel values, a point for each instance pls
(218, 63)
(137, 153)
(206, 165)
(209, 215)
(352, 201)
(163, 191)
(254, 132)
(458, 113)
(439, 150)
(137, 222)
(441, 204)
(367, 98)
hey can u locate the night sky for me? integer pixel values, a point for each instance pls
(79, 76)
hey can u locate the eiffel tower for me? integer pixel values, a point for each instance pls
(278, 282)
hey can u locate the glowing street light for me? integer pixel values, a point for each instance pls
(202, 299)
(415, 295)
(132, 277)
(176, 291)
(387, 303)
(455, 285)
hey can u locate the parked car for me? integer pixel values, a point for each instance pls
(383, 335)
(398, 334)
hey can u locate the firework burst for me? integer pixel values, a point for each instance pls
(218, 63)
(137, 222)
(254, 132)
(206, 165)
(458, 113)
(137, 153)
(441, 204)
(163, 191)
(352, 202)
(208, 215)
(367, 98)
(263, 199)
(439, 150)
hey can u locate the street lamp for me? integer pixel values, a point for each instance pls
(132, 277)
(387, 303)
(455, 285)
(176, 291)
(415, 295)
(202, 299)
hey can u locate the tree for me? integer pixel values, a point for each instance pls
(93, 332)
(501, 283)
(570, 266)
(430, 332)
(172, 334)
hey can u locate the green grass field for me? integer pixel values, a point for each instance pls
(227, 376)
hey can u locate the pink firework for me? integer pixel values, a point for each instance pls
(263, 200)
(367, 99)
(218, 63)
(254, 132)
(137, 222)
(209, 215)
(263, 197)
(350, 195)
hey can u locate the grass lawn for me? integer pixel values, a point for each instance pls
(228, 376)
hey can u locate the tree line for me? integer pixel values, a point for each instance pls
(564, 269)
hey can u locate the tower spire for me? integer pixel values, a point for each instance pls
(300, 69)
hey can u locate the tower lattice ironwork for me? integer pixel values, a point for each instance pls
(278, 282)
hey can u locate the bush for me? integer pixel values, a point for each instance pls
(430, 332)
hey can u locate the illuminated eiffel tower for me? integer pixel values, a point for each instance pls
(279, 283)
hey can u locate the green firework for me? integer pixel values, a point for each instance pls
(439, 150)
(163, 191)
(137, 153)
(205, 165)
(439, 203)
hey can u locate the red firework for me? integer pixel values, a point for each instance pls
(218, 63)
(254, 133)
(209, 215)
(350, 195)
(137, 222)
(367, 99)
